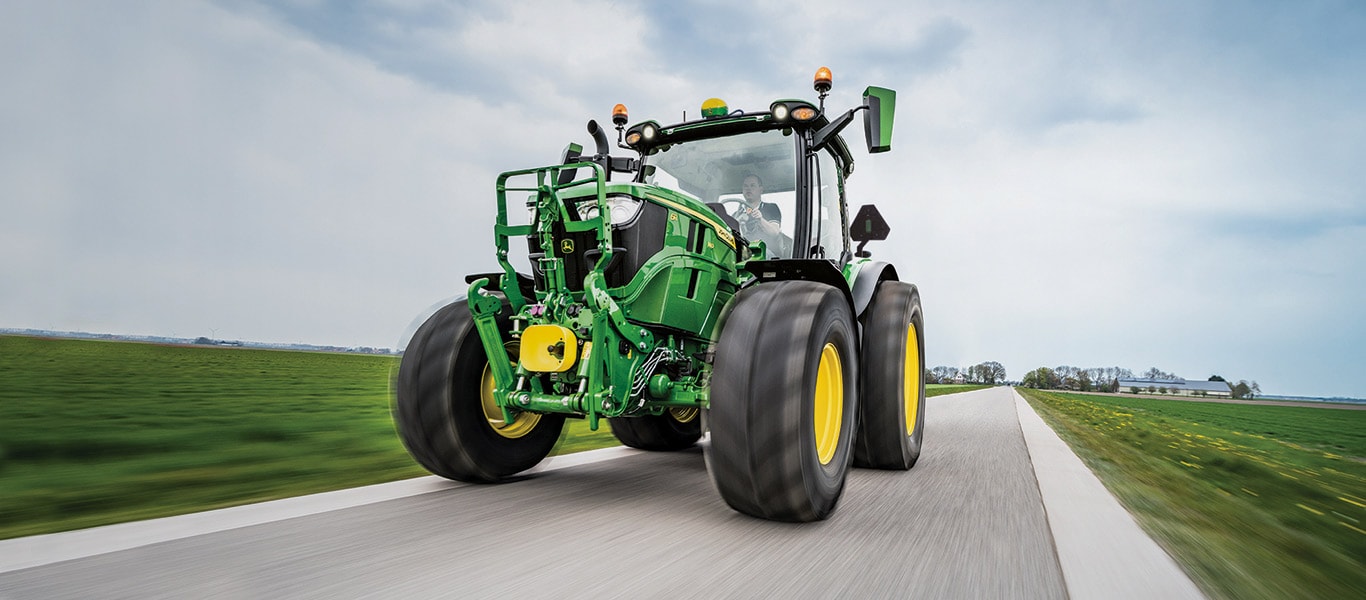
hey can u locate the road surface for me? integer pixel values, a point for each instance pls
(968, 521)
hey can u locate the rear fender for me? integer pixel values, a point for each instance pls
(866, 280)
(802, 269)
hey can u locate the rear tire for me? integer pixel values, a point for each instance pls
(892, 411)
(784, 396)
(674, 430)
(441, 409)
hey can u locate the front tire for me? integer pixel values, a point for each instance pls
(892, 412)
(445, 412)
(676, 429)
(784, 396)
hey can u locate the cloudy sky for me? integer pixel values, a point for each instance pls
(1135, 184)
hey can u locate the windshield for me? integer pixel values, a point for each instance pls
(751, 177)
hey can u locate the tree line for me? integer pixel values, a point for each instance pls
(1093, 379)
(988, 373)
(1106, 379)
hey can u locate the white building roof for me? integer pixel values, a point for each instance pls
(1177, 384)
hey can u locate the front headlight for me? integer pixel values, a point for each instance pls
(620, 209)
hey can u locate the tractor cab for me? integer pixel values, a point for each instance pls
(776, 176)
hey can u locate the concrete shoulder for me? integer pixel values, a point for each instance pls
(1103, 552)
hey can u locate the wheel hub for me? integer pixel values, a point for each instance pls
(829, 405)
(912, 378)
(521, 425)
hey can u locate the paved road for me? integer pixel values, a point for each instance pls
(967, 522)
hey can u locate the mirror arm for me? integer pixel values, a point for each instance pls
(860, 252)
(831, 129)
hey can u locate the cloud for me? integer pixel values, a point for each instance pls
(208, 170)
(1171, 186)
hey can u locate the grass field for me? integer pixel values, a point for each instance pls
(1255, 501)
(94, 432)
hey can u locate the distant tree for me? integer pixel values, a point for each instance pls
(1151, 388)
(1098, 379)
(944, 374)
(990, 373)
(1217, 378)
(1241, 389)
(1255, 389)
(1162, 390)
(929, 376)
(1083, 380)
(1065, 371)
(203, 341)
(1042, 378)
(1132, 389)
(1159, 374)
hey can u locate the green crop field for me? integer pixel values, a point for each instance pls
(94, 432)
(1255, 501)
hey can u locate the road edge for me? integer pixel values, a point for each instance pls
(38, 550)
(1101, 549)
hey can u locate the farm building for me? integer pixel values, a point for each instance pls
(1178, 387)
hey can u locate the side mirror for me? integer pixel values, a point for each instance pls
(877, 121)
(867, 226)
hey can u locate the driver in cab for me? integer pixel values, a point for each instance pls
(758, 220)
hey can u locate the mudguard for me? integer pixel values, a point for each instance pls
(866, 282)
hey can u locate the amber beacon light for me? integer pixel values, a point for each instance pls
(823, 80)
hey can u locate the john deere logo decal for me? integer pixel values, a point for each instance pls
(567, 246)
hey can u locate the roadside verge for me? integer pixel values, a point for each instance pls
(1102, 550)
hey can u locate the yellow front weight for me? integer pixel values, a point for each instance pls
(549, 349)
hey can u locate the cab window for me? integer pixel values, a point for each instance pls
(716, 172)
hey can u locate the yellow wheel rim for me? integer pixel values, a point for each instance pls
(521, 425)
(829, 413)
(684, 415)
(912, 378)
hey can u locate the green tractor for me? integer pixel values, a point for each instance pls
(707, 282)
